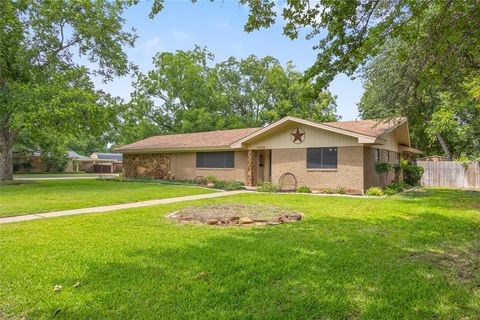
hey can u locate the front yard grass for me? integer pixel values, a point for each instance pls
(410, 256)
(52, 195)
(61, 175)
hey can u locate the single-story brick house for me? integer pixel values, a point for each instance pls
(318, 155)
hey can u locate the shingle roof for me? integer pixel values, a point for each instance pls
(224, 138)
(210, 139)
(73, 155)
(372, 128)
(109, 156)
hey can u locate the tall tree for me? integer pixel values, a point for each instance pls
(42, 86)
(444, 116)
(351, 32)
(188, 92)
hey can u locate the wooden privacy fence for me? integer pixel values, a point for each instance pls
(450, 174)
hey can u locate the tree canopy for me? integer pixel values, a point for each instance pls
(187, 91)
(351, 32)
(417, 57)
(444, 118)
(44, 91)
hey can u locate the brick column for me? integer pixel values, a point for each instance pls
(250, 168)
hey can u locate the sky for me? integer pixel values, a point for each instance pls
(219, 26)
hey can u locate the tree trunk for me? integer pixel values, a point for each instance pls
(444, 146)
(6, 151)
(6, 161)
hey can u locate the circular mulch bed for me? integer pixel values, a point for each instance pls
(236, 214)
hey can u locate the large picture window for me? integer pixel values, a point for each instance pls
(215, 159)
(322, 158)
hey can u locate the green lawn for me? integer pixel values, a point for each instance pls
(58, 175)
(411, 256)
(53, 195)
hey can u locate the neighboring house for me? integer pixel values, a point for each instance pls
(318, 155)
(77, 162)
(27, 162)
(97, 162)
(107, 162)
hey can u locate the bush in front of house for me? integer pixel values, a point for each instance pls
(229, 185)
(267, 186)
(341, 190)
(374, 192)
(412, 174)
(234, 185)
(211, 178)
(396, 188)
(304, 189)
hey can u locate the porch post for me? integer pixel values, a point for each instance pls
(250, 167)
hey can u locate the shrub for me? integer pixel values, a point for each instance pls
(229, 185)
(395, 188)
(412, 174)
(234, 185)
(54, 162)
(398, 170)
(267, 187)
(219, 184)
(304, 189)
(328, 191)
(341, 190)
(383, 167)
(389, 191)
(374, 192)
(211, 178)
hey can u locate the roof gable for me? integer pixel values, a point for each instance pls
(366, 131)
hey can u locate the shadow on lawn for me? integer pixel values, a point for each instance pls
(440, 198)
(322, 268)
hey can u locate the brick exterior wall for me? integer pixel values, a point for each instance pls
(148, 165)
(184, 168)
(349, 173)
(372, 178)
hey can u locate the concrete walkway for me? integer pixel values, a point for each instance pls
(54, 214)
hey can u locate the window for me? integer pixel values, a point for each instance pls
(397, 157)
(386, 156)
(376, 154)
(322, 158)
(215, 159)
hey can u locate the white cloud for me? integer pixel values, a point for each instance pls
(153, 46)
(181, 36)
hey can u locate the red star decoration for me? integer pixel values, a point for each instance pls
(298, 136)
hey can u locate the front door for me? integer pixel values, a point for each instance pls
(260, 166)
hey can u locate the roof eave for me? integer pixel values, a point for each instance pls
(403, 148)
(165, 150)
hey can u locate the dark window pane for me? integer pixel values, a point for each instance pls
(215, 159)
(314, 158)
(376, 154)
(322, 158)
(329, 158)
(386, 156)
